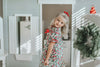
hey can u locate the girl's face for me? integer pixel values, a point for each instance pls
(59, 22)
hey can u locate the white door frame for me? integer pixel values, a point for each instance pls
(41, 2)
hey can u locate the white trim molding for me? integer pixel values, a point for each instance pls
(13, 37)
(56, 1)
(1, 37)
(3, 54)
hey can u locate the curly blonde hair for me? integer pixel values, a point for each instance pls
(66, 20)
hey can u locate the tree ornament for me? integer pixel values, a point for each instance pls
(92, 11)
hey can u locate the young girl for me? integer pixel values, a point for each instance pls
(52, 54)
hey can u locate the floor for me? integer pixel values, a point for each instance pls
(95, 63)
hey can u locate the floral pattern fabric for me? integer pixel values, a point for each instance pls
(56, 57)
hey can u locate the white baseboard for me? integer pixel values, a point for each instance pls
(24, 57)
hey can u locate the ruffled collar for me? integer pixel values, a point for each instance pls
(56, 28)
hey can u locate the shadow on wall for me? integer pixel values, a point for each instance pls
(79, 4)
(1, 9)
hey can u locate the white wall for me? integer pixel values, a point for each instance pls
(19, 7)
(88, 4)
(31, 6)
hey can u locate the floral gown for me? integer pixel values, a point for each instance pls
(56, 57)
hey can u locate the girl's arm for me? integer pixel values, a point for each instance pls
(50, 47)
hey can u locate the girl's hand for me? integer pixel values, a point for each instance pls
(46, 62)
